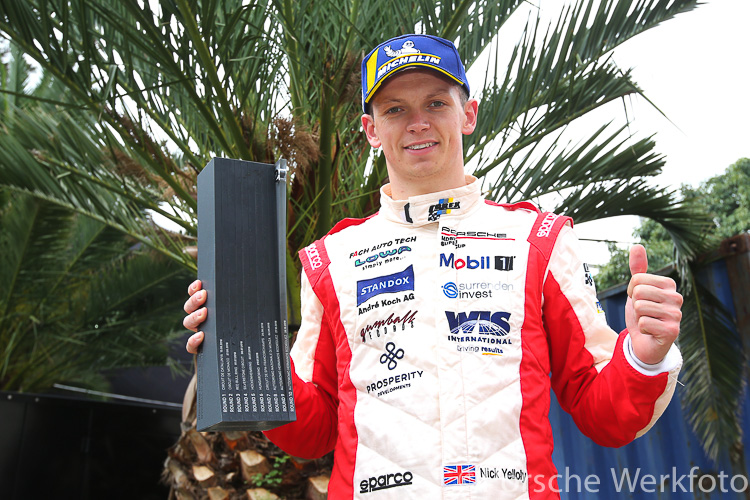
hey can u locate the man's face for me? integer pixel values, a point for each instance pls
(418, 118)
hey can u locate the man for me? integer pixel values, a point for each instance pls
(429, 330)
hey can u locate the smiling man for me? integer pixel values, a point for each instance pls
(433, 330)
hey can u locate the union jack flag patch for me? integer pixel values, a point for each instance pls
(458, 474)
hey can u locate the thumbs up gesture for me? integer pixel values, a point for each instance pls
(652, 312)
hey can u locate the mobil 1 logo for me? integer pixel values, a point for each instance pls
(497, 262)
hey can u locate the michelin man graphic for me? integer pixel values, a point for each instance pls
(406, 48)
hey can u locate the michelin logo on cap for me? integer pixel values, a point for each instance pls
(406, 59)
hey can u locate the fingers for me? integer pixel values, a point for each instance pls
(661, 332)
(196, 300)
(651, 285)
(193, 320)
(194, 343)
(656, 306)
(658, 311)
(194, 287)
(638, 260)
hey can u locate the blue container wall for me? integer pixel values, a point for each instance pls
(659, 464)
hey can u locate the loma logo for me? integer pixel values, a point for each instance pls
(397, 282)
(482, 321)
(382, 255)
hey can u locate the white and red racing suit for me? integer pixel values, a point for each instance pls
(429, 333)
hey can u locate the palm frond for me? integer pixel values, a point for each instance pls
(85, 300)
(713, 370)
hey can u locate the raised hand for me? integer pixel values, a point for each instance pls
(652, 312)
(196, 315)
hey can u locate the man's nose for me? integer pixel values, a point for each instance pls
(418, 121)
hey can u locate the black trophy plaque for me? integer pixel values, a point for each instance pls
(244, 373)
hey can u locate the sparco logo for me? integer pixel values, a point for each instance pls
(385, 481)
(312, 254)
(546, 226)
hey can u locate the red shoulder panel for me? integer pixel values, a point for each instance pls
(314, 256)
(545, 230)
(315, 260)
(526, 205)
(344, 223)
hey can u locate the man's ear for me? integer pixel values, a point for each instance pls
(368, 124)
(471, 108)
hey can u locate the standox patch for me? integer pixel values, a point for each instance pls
(396, 282)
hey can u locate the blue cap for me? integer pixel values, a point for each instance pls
(407, 51)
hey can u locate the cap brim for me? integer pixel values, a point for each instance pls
(404, 67)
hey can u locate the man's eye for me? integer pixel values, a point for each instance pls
(392, 110)
(437, 104)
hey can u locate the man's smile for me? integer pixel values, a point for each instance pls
(421, 146)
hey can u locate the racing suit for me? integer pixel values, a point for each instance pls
(429, 332)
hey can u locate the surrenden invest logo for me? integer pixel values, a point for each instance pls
(480, 290)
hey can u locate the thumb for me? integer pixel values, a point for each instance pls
(638, 259)
(638, 264)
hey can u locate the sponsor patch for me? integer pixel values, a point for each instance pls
(407, 59)
(459, 474)
(480, 332)
(381, 247)
(450, 290)
(392, 321)
(482, 322)
(442, 207)
(546, 226)
(377, 259)
(392, 283)
(449, 236)
(391, 356)
(588, 278)
(312, 253)
(406, 48)
(501, 262)
(393, 383)
(385, 481)
(478, 290)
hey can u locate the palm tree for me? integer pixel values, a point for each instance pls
(79, 296)
(78, 299)
(161, 87)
